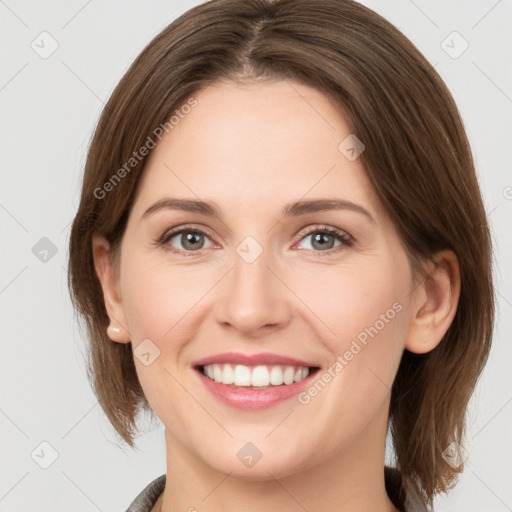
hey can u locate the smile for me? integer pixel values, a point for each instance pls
(257, 377)
(254, 381)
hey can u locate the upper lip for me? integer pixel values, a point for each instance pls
(264, 358)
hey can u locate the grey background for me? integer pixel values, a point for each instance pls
(49, 109)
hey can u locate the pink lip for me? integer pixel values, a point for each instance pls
(253, 398)
(263, 358)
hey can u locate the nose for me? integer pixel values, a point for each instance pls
(254, 299)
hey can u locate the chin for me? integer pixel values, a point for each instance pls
(252, 464)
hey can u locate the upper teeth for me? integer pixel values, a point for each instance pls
(257, 376)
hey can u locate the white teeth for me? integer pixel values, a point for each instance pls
(276, 376)
(217, 373)
(289, 375)
(257, 376)
(242, 375)
(228, 376)
(260, 376)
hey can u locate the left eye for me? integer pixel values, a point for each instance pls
(324, 240)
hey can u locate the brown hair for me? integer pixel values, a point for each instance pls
(417, 157)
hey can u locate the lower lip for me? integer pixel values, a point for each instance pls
(253, 398)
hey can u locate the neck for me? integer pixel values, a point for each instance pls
(351, 479)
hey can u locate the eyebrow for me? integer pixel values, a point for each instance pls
(294, 209)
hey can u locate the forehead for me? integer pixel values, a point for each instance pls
(257, 144)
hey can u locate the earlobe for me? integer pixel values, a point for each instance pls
(435, 303)
(109, 280)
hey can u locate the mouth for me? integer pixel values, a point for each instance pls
(254, 382)
(256, 377)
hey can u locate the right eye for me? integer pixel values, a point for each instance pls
(191, 240)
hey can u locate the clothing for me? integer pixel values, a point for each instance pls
(146, 500)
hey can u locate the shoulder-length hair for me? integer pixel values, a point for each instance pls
(417, 158)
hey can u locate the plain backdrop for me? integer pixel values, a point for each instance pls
(50, 104)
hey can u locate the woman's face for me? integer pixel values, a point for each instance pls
(262, 292)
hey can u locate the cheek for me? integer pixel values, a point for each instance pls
(367, 310)
(158, 299)
(159, 305)
(357, 303)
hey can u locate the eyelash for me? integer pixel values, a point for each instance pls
(345, 239)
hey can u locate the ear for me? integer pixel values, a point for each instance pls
(435, 303)
(108, 276)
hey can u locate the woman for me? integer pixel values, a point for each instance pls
(281, 250)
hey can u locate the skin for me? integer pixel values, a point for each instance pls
(293, 300)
